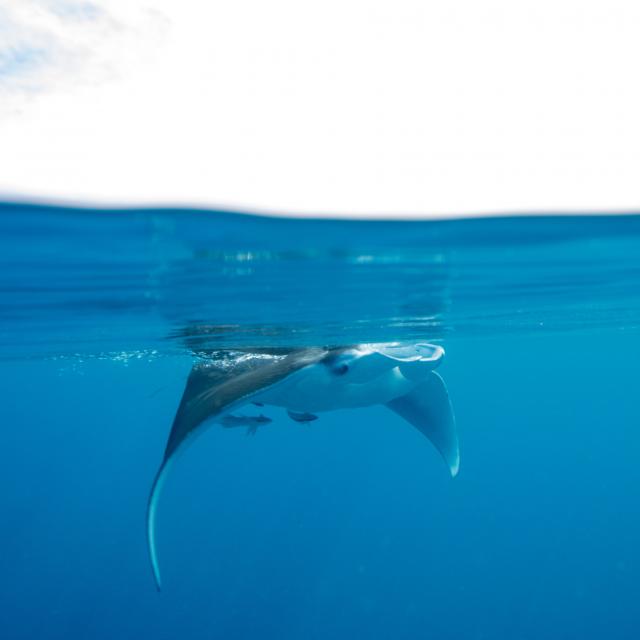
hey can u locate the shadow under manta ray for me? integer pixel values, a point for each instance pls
(309, 381)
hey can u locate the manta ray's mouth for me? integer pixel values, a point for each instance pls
(422, 352)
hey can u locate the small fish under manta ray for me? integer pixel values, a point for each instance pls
(309, 381)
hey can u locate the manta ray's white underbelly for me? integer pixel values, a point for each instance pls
(314, 389)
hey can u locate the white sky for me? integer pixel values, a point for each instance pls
(340, 107)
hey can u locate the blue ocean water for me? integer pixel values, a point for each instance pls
(349, 525)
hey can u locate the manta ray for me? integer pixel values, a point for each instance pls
(308, 381)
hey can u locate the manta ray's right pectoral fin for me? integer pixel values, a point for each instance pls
(428, 408)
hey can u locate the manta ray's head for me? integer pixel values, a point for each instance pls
(363, 362)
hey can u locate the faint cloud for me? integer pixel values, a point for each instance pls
(48, 45)
(18, 61)
(74, 10)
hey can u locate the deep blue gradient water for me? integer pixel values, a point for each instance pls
(348, 526)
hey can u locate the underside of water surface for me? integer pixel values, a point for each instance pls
(90, 282)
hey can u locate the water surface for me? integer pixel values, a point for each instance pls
(351, 524)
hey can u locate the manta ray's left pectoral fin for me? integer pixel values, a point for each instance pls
(428, 408)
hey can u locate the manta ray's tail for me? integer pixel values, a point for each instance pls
(152, 505)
